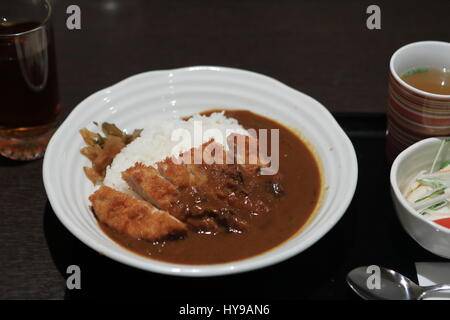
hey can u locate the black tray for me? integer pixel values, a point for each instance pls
(369, 233)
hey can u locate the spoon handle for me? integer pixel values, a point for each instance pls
(434, 289)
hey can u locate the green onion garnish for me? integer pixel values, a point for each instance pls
(414, 71)
(444, 164)
(437, 206)
(432, 194)
(434, 183)
(438, 153)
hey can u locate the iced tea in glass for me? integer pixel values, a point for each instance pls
(29, 100)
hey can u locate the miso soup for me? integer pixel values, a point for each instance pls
(432, 80)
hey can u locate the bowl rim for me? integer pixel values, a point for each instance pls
(398, 194)
(251, 263)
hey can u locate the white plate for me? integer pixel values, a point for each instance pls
(153, 96)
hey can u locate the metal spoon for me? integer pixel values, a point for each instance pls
(393, 286)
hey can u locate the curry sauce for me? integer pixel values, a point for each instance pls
(288, 211)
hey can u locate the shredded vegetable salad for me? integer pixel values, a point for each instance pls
(429, 191)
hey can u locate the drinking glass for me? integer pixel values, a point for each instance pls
(29, 100)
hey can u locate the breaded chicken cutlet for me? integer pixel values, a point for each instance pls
(133, 217)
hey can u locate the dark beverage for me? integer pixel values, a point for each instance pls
(29, 102)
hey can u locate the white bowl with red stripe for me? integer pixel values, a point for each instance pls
(433, 236)
(160, 95)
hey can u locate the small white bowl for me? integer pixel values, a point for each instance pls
(419, 156)
(158, 95)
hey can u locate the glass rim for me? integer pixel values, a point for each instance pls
(41, 24)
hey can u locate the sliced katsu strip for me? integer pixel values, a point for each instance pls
(133, 217)
(151, 186)
(147, 182)
(177, 173)
(172, 194)
(181, 171)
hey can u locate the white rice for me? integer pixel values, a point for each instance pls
(156, 143)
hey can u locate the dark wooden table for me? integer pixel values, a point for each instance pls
(322, 48)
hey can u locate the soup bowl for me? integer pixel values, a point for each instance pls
(155, 96)
(430, 235)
